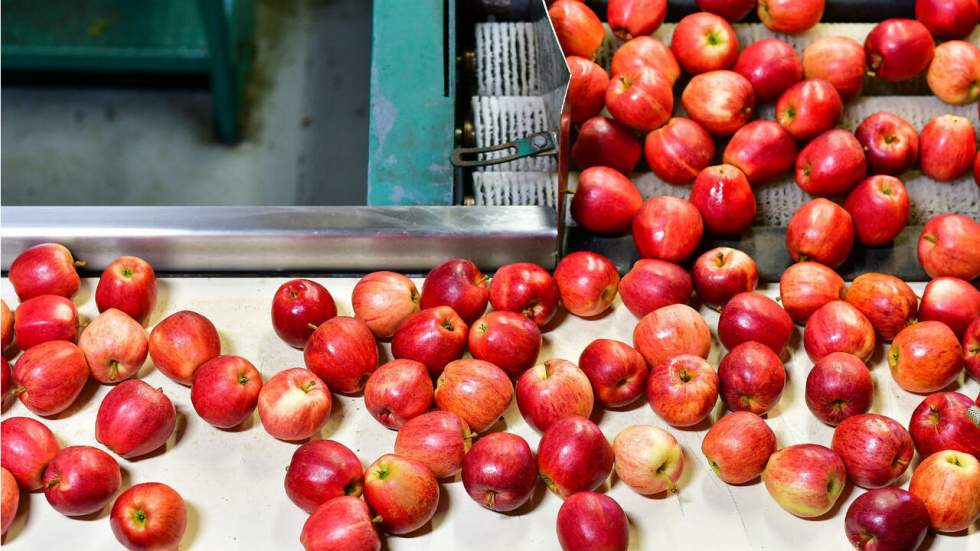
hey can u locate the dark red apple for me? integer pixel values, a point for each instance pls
(322, 470)
(551, 391)
(724, 198)
(954, 72)
(128, 284)
(752, 316)
(438, 439)
(952, 301)
(629, 18)
(648, 459)
(809, 108)
(398, 391)
(602, 141)
(574, 456)
(81, 480)
(605, 201)
(149, 516)
(477, 391)
(459, 284)
(294, 404)
(646, 51)
(731, 10)
(49, 376)
(704, 42)
(891, 144)
(950, 246)
(181, 343)
(888, 302)
(668, 228)
(27, 447)
(839, 386)
(840, 61)
(670, 331)
(722, 273)
(616, 370)
(402, 492)
(342, 351)
(587, 88)
(43, 319)
(821, 231)
(134, 419)
(588, 521)
(652, 284)
(683, 390)
(9, 500)
(876, 449)
(946, 421)
(762, 150)
(579, 30)
(790, 16)
(898, 49)
(226, 391)
(587, 282)
(832, 164)
(500, 472)
(526, 288)
(771, 65)
(805, 479)
(506, 339)
(298, 308)
(738, 446)
(721, 101)
(971, 351)
(925, 357)
(838, 327)
(45, 269)
(886, 519)
(948, 18)
(434, 337)
(880, 209)
(947, 145)
(751, 378)
(678, 151)
(341, 524)
(115, 346)
(641, 98)
(383, 300)
(806, 286)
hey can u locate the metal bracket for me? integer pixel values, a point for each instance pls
(542, 143)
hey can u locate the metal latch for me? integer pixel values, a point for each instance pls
(541, 143)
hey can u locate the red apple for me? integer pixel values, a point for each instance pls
(721, 101)
(954, 72)
(402, 491)
(738, 446)
(821, 231)
(925, 357)
(617, 372)
(790, 16)
(149, 516)
(433, 337)
(438, 439)
(724, 198)
(806, 286)
(128, 284)
(477, 391)
(526, 288)
(722, 273)
(641, 98)
(115, 346)
(946, 421)
(948, 145)
(762, 150)
(950, 246)
(668, 228)
(704, 42)
(888, 302)
(459, 284)
(588, 521)
(948, 482)
(880, 208)
(898, 49)
(574, 456)
(300, 305)
(809, 108)
(506, 339)
(951, 301)
(652, 284)
(6, 325)
(948, 18)
(683, 390)
(587, 282)
(876, 449)
(805, 479)
(602, 141)
(840, 61)
(605, 201)
(6, 379)
(832, 164)
(751, 378)
(181, 343)
(838, 327)
(45, 269)
(587, 88)
(553, 390)
(341, 524)
(9, 499)
(294, 404)
(886, 519)
(732, 10)
(646, 51)
(753, 316)
(28, 446)
(971, 351)
(382, 300)
(649, 460)
(629, 18)
(671, 331)
(839, 386)
(891, 144)
(81, 480)
(398, 391)
(678, 151)
(500, 472)
(49, 376)
(226, 390)
(771, 65)
(135, 419)
(342, 351)
(43, 319)
(579, 30)
(322, 470)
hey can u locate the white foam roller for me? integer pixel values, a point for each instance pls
(498, 120)
(515, 188)
(506, 59)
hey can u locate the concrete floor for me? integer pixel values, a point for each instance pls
(306, 133)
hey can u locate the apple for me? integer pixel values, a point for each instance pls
(880, 209)
(771, 65)
(605, 201)
(839, 386)
(114, 345)
(731, 10)
(149, 516)
(433, 337)
(976, 167)
(898, 49)
(652, 284)
(683, 390)
(645, 51)
(527, 288)
(809, 108)
(343, 352)
(704, 42)
(668, 228)
(320, 471)
(28, 446)
(806, 286)
(946, 421)
(551, 391)
(886, 519)
(579, 30)
(398, 391)
(648, 459)
(640, 98)
(891, 144)
(832, 164)
(500, 472)
(49, 376)
(226, 390)
(438, 439)
(971, 351)
(574, 456)
(805, 479)
(821, 231)
(182, 342)
(721, 273)
(506, 339)
(587, 282)
(9, 499)
(299, 306)
(45, 318)
(382, 300)
(838, 327)
(294, 404)
(925, 357)
(876, 449)
(948, 482)
(888, 302)
(678, 151)
(586, 89)
(947, 147)
(402, 491)
(81, 480)
(629, 18)
(721, 101)
(6, 325)
(602, 141)
(671, 331)
(840, 61)
(948, 18)
(45, 269)
(724, 198)
(951, 301)
(762, 150)
(950, 246)
(459, 284)
(134, 419)
(588, 521)
(616, 370)
(790, 16)
(6, 379)
(751, 378)
(343, 523)
(738, 446)
(128, 284)
(475, 390)
(752, 316)
(954, 72)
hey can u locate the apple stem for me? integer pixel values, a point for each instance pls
(80, 263)
(377, 519)
(671, 487)
(312, 326)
